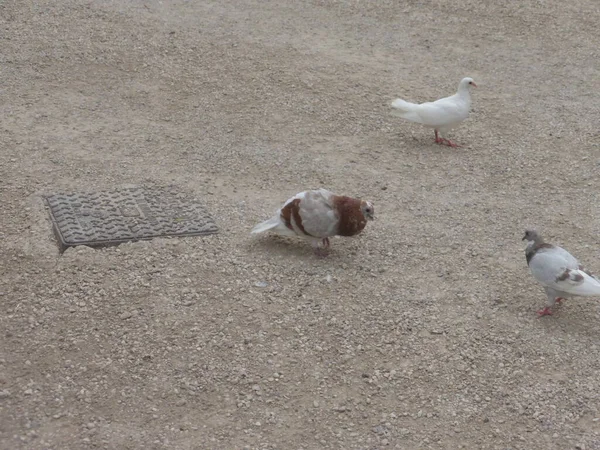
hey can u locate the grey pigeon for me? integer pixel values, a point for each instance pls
(558, 271)
(441, 115)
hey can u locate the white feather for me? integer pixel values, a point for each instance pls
(270, 224)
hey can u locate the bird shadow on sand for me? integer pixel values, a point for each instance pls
(281, 246)
(424, 146)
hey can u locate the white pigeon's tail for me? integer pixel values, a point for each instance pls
(403, 105)
(406, 110)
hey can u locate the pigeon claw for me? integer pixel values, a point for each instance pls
(545, 312)
(443, 141)
(449, 143)
(438, 139)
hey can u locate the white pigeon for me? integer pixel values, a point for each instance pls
(318, 215)
(441, 115)
(558, 271)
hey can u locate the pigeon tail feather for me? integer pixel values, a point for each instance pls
(403, 105)
(267, 225)
(406, 110)
(589, 287)
(274, 224)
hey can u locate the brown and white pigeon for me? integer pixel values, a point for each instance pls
(558, 271)
(441, 115)
(318, 215)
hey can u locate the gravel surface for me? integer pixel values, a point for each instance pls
(420, 333)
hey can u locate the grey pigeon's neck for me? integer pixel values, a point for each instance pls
(534, 246)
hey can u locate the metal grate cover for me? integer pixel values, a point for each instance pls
(99, 219)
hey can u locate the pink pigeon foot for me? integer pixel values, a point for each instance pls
(449, 143)
(444, 141)
(545, 312)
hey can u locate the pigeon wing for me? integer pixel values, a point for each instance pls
(559, 270)
(319, 218)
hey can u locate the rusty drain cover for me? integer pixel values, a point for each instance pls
(99, 219)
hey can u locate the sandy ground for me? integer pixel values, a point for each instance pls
(419, 334)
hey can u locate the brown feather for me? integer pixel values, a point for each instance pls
(567, 274)
(351, 219)
(286, 213)
(563, 276)
(292, 210)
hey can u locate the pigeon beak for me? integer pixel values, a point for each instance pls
(473, 84)
(524, 237)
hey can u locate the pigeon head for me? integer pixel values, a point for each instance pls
(532, 236)
(368, 210)
(466, 83)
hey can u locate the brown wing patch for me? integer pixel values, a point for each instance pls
(563, 276)
(286, 213)
(351, 219)
(292, 211)
(577, 277)
(297, 218)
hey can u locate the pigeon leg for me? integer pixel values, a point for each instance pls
(326, 242)
(552, 299)
(438, 140)
(559, 299)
